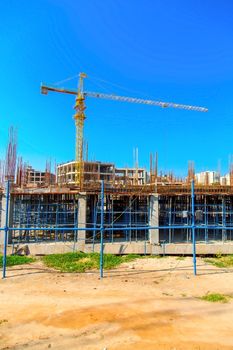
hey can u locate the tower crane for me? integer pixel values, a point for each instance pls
(79, 115)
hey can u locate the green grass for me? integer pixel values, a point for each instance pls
(221, 261)
(215, 298)
(81, 262)
(12, 260)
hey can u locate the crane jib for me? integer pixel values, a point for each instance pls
(142, 101)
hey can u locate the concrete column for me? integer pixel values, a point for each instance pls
(82, 208)
(3, 217)
(154, 218)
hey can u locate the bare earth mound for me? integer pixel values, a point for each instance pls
(146, 304)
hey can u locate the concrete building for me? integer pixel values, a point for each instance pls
(207, 178)
(225, 180)
(131, 176)
(96, 171)
(93, 172)
(36, 178)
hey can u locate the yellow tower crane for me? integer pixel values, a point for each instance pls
(79, 116)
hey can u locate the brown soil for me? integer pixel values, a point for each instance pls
(148, 304)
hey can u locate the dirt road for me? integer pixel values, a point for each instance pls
(147, 304)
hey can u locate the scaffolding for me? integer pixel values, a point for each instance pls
(213, 214)
(119, 212)
(61, 210)
(44, 211)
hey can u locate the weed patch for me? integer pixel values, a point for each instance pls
(221, 261)
(81, 262)
(12, 260)
(215, 298)
(3, 321)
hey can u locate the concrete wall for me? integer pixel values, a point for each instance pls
(122, 248)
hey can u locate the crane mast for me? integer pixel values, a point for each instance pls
(79, 115)
(79, 118)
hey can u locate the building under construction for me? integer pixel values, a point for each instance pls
(159, 201)
(144, 211)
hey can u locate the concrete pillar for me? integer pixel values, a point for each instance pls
(3, 217)
(154, 218)
(82, 209)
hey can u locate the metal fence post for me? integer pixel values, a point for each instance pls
(193, 228)
(102, 231)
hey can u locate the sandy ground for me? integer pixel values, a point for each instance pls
(147, 304)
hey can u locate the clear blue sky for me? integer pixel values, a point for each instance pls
(177, 51)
